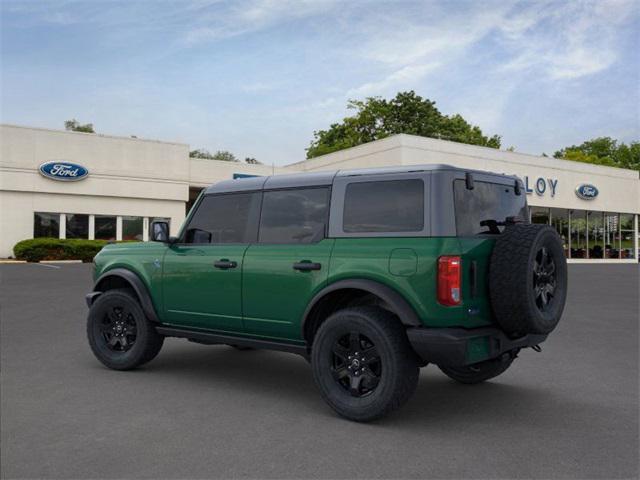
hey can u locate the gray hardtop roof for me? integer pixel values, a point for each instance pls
(317, 179)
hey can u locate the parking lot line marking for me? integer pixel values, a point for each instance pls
(47, 265)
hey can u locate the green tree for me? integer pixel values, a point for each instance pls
(219, 155)
(74, 126)
(225, 156)
(377, 118)
(201, 153)
(604, 151)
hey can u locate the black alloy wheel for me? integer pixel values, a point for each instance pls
(528, 279)
(363, 364)
(356, 364)
(119, 329)
(119, 333)
(544, 278)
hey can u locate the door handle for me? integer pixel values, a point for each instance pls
(225, 264)
(306, 266)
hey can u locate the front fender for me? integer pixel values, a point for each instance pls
(132, 280)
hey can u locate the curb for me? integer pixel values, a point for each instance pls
(8, 261)
(60, 261)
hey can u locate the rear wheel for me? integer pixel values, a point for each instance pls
(363, 364)
(479, 372)
(119, 333)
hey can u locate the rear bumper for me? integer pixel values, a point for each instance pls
(456, 347)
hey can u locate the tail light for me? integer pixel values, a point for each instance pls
(449, 280)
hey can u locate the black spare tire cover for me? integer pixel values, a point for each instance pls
(528, 279)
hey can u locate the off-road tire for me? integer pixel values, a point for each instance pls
(480, 372)
(515, 273)
(398, 365)
(146, 344)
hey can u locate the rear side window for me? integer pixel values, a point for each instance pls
(487, 201)
(230, 218)
(384, 206)
(294, 216)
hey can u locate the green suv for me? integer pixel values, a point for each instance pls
(369, 274)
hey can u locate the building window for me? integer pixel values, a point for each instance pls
(540, 215)
(560, 221)
(77, 226)
(132, 228)
(46, 225)
(626, 236)
(611, 235)
(105, 227)
(595, 237)
(578, 234)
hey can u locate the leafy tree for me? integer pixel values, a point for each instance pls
(252, 161)
(201, 153)
(225, 156)
(219, 155)
(604, 151)
(377, 118)
(75, 126)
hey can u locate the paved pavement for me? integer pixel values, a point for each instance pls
(211, 411)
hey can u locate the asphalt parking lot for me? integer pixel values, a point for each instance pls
(211, 411)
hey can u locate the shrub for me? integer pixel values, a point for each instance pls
(36, 249)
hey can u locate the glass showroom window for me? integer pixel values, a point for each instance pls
(595, 225)
(611, 235)
(560, 221)
(578, 225)
(105, 227)
(132, 228)
(540, 215)
(626, 236)
(46, 225)
(77, 226)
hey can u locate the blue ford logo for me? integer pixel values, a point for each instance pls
(586, 191)
(64, 171)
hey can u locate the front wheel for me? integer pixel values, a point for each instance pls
(363, 364)
(119, 333)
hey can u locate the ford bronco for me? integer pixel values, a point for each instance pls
(369, 274)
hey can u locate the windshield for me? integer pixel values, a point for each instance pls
(486, 202)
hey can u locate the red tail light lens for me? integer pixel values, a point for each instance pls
(449, 280)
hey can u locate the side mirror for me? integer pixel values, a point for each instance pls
(159, 232)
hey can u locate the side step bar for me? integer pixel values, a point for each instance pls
(210, 338)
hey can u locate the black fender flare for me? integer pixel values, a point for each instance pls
(397, 302)
(134, 282)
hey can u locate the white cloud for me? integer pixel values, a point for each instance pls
(405, 77)
(250, 16)
(563, 41)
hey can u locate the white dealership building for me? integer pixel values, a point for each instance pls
(78, 185)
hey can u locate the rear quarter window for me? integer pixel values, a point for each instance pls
(384, 206)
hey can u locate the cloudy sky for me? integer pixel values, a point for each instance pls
(257, 77)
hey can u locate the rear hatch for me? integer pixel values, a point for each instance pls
(481, 210)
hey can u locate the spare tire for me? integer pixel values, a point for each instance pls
(528, 279)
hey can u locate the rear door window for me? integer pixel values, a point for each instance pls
(384, 206)
(487, 201)
(294, 215)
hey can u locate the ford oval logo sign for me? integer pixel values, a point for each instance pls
(64, 171)
(586, 191)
